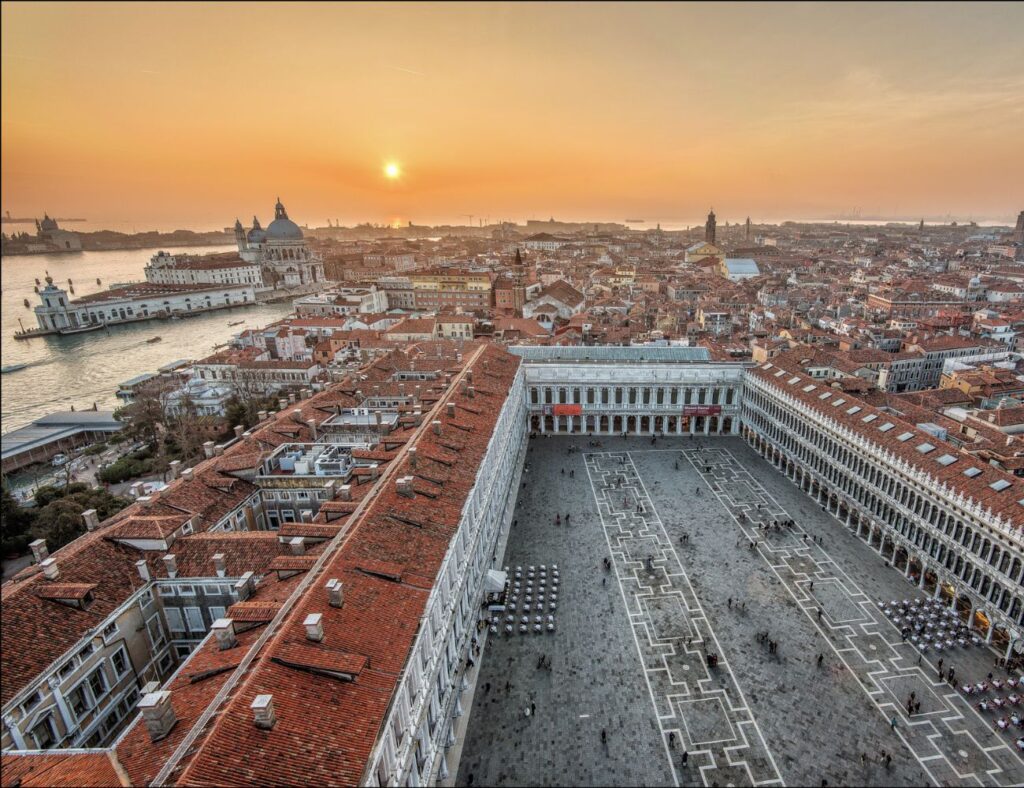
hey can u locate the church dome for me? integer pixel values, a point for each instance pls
(283, 228)
(256, 235)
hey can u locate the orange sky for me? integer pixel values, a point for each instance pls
(193, 114)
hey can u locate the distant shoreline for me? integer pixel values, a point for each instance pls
(110, 241)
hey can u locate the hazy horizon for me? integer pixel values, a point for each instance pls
(191, 115)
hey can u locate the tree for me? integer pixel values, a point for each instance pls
(15, 522)
(60, 520)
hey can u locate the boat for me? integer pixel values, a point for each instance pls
(236, 323)
(151, 340)
(27, 304)
(98, 281)
(634, 221)
(12, 368)
(81, 329)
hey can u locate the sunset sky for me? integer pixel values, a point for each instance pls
(193, 114)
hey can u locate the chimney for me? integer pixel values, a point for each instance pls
(239, 429)
(416, 394)
(463, 386)
(158, 714)
(297, 545)
(374, 471)
(412, 457)
(224, 630)
(146, 501)
(335, 592)
(377, 418)
(345, 492)
(307, 393)
(282, 404)
(220, 566)
(291, 397)
(175, 468)
(143, 568)
(245, 586)
(39, 551)
(150, 686)
(314, 627)
(218, 451)
(262, 416)
(469, 375)
(208, 449)
(437, 426)
(297, 415)
(451, 410)
(50, 569)
(263, 711)
(171, 564)
(312, 428)
(187, 474)
(404, 484)
(91, 519)
(376, 390)
(401, 389)
(471, 391)
(135, 490)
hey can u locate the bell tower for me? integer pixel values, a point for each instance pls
(709, 228)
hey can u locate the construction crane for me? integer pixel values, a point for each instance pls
(468, 216)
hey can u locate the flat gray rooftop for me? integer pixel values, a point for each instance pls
(611, 353)
(628, 653)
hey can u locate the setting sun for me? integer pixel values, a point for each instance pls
(391, 170)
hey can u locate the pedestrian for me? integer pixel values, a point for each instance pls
(811, 586)
(672, 739)
(686, 757)
(820, 658)
(917, 707)
(940, 666)
(892, 722)
(730, 602)
(533, 708)
(604, 736)
(507, 687)
(819, 614)
(888, 760)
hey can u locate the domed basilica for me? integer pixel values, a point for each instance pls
(280, 250)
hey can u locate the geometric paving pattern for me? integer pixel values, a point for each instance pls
(702, 708)
(950, 739)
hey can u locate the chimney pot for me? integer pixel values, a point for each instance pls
(404, 484)
(262, 415)
(297, 415)
(135, 490)
(311, 423)
(298, 545)
(39, 550)
(282, 404)
(470, 391)
(412, 457)
(291, 398)
(208, 448)
(219, 564)
(224, 630)
(451, 410)
(50, 569)
(218, 451)
(150, 686)
(158, 714)
(245, 586)
(263, 711)
(146, 501)
(187, 474)
(437, 426)
(143, 568)
(314, 627)
(239, 429)
(175, 468)
(335, 592)
(345, 492)
(171, 564)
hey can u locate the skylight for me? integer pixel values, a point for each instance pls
(825, 395)
(780, 373)
(809, 389)
(886, 427)
(946, 459)
(999, 485)
(924, 448)
(838, 402)
(869, 418)
(793, 380)
(970, 473)
(904, 437)
(854, 409)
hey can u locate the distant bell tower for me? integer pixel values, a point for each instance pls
(1018, 233)
(746, 232)
(709, 228)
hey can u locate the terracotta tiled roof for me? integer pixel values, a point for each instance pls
(58, 769)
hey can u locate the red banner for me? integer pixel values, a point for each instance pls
(701, 410)
(568, 410)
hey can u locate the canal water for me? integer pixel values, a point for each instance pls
(86, 368)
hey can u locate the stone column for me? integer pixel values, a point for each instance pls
(15, 731)
(65, 713)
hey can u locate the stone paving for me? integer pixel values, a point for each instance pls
(628, 657)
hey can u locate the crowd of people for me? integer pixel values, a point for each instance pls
(929, 624)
